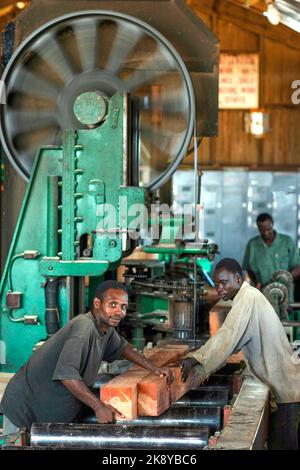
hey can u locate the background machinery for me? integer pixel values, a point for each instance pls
(279, 292)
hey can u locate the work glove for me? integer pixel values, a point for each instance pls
(186, 365)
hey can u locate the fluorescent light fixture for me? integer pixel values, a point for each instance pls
(272, 14)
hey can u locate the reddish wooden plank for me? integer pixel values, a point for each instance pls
(163, 356)
(153, 396)
(122, 391)
(180, 388)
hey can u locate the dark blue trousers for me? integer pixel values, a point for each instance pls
(284, 427)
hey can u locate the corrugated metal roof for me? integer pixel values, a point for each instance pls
(289, 13)
(289, 10)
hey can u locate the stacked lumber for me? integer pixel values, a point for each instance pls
(139, 392)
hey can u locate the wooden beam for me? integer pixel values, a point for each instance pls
(206, 5)
(249, 3)
(180, 388)
(153, 396)
(122, 392)
(6, 11)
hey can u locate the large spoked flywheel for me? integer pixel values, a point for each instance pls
(97, 51)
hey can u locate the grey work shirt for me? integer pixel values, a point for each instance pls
(253, 327)
(36, 393)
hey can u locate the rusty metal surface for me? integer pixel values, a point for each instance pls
(247, 425)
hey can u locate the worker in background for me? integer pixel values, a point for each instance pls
(253, 326)
(270, 252)
(55, 382)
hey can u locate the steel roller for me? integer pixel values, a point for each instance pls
(216, 387)
(112, 436)
(176, 417)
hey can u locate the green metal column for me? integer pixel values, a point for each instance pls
(52, 215)
(68, 197)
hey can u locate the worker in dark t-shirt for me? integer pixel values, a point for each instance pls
(54, 384)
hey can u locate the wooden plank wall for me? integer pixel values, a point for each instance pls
(8, 12)
(241, 30)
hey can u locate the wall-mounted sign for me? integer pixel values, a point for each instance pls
(239, 81)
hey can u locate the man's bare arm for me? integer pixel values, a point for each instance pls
(78, 388)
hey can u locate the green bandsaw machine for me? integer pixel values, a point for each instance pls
(99, 109)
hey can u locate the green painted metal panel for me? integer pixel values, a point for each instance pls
(82, 267)
(149, 303)
(68, 196)
(22, 275)
(74, 192)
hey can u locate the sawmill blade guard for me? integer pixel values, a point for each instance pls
(106, 52)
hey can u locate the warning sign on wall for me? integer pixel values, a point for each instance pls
(239, 81)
